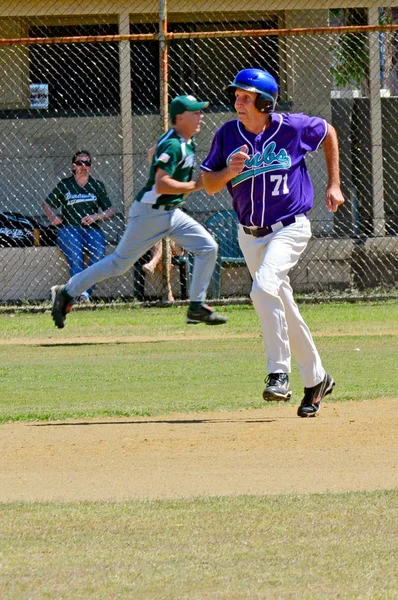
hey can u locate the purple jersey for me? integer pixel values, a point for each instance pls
(275, 183)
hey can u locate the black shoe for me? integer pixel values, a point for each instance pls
(313, 396)
(205, 314)
(277, 388)
(61, 305)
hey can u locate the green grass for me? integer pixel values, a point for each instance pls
(127, 321)
(51, 380)
(306, 547)
(242, 548)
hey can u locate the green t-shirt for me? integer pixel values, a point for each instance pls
(176, 156)
(78, 201)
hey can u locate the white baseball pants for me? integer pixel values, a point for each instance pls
(145, 227)
(269, 260)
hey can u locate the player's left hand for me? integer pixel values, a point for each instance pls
(334, 198)
(89, 219)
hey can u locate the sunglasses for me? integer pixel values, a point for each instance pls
(81, 163)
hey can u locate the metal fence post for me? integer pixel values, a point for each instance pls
(376, 124)
(164, 92)
(126, 115)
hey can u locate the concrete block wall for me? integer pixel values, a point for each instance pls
(325, 264)
(38, 154)
(375, 263)
(27, 274)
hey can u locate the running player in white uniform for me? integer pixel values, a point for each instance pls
(154, 215)
(260, 158)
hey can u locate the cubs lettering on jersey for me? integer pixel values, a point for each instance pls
(267, 161)
(275, 182)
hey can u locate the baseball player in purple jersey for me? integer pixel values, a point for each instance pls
(260, 158)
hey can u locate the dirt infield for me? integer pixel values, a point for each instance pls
(349, 446)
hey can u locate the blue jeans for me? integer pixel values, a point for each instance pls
(73, 240)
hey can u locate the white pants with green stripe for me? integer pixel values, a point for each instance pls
(145, 227)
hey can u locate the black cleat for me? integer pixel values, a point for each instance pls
(313, 396)
(61, 305)
(277, 388)
(205, 314)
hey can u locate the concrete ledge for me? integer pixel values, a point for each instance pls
(375, 263)
(28, 274)
(235, 281)
(327, 264)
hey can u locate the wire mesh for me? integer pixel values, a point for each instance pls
(77, 78)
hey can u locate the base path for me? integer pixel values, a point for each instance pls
(348, 447)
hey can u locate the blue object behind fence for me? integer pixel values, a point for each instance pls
(224, 227)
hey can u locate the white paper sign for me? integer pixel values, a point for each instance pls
(39, 95)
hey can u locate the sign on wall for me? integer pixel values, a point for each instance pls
(39, 95)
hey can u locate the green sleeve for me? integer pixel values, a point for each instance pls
(103, 198)
(167, 156)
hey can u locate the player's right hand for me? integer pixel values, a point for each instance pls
(56, 221)
(334, 198)
(237, 161)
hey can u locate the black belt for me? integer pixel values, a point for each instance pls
(166, 206)
(263, 231)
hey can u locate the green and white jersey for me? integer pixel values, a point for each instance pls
(78, 201)
(176, 156)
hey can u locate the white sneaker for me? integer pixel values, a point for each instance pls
(84, 298)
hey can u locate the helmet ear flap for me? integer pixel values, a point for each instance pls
(263, 104)
(230, 93)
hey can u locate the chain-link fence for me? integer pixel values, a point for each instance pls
(98, 77)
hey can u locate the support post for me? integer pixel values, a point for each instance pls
(164, 93)
(126, 115)
(376, 126)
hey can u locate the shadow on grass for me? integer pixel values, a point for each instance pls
(162, 422)
(95, 343)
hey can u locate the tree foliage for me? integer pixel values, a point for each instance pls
(351, 52)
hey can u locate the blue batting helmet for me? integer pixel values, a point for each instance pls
(259, 81)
